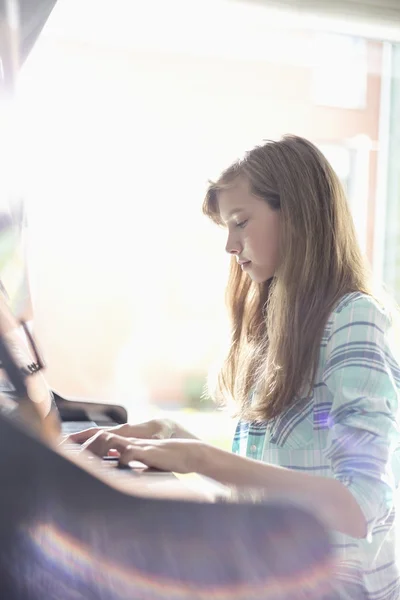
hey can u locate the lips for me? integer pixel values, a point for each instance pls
(244, 265)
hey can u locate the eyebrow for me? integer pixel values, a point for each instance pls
(234, 211)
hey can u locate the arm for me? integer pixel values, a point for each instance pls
(361, 375)
(364, 380)
(328, 498)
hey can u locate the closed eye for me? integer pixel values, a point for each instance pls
(242, 224)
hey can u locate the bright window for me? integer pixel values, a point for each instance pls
(122, 120)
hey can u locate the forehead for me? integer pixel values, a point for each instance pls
(235, 198)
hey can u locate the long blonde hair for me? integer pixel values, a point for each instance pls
(277, 326)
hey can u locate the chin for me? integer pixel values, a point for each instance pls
(260, 278)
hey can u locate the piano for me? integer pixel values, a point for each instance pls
(76, 527)
(77, 414)
(69, 532)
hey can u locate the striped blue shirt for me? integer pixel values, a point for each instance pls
(348, 430)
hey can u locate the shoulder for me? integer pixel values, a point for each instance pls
(360, 345)
(360, 304)
(358, 311)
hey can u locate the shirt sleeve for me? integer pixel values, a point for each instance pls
(364, 379)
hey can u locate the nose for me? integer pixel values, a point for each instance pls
(233, 245)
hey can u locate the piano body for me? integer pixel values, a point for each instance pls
(77, 414)
(71, 531)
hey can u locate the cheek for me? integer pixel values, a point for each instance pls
(272, 252)
(265, 247)
(274, 245)
(272, 240)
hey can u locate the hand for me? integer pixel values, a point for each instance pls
(178, 455)
(154, 429)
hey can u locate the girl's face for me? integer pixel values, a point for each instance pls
(253, 230)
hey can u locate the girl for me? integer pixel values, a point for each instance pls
(310, 364)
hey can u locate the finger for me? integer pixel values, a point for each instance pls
(134, 451)
(64, 439)
(139, 430)
(104, 441)
(113, 452)
(123, 430)
(129, 450)
(82, 436)
(99, 443)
